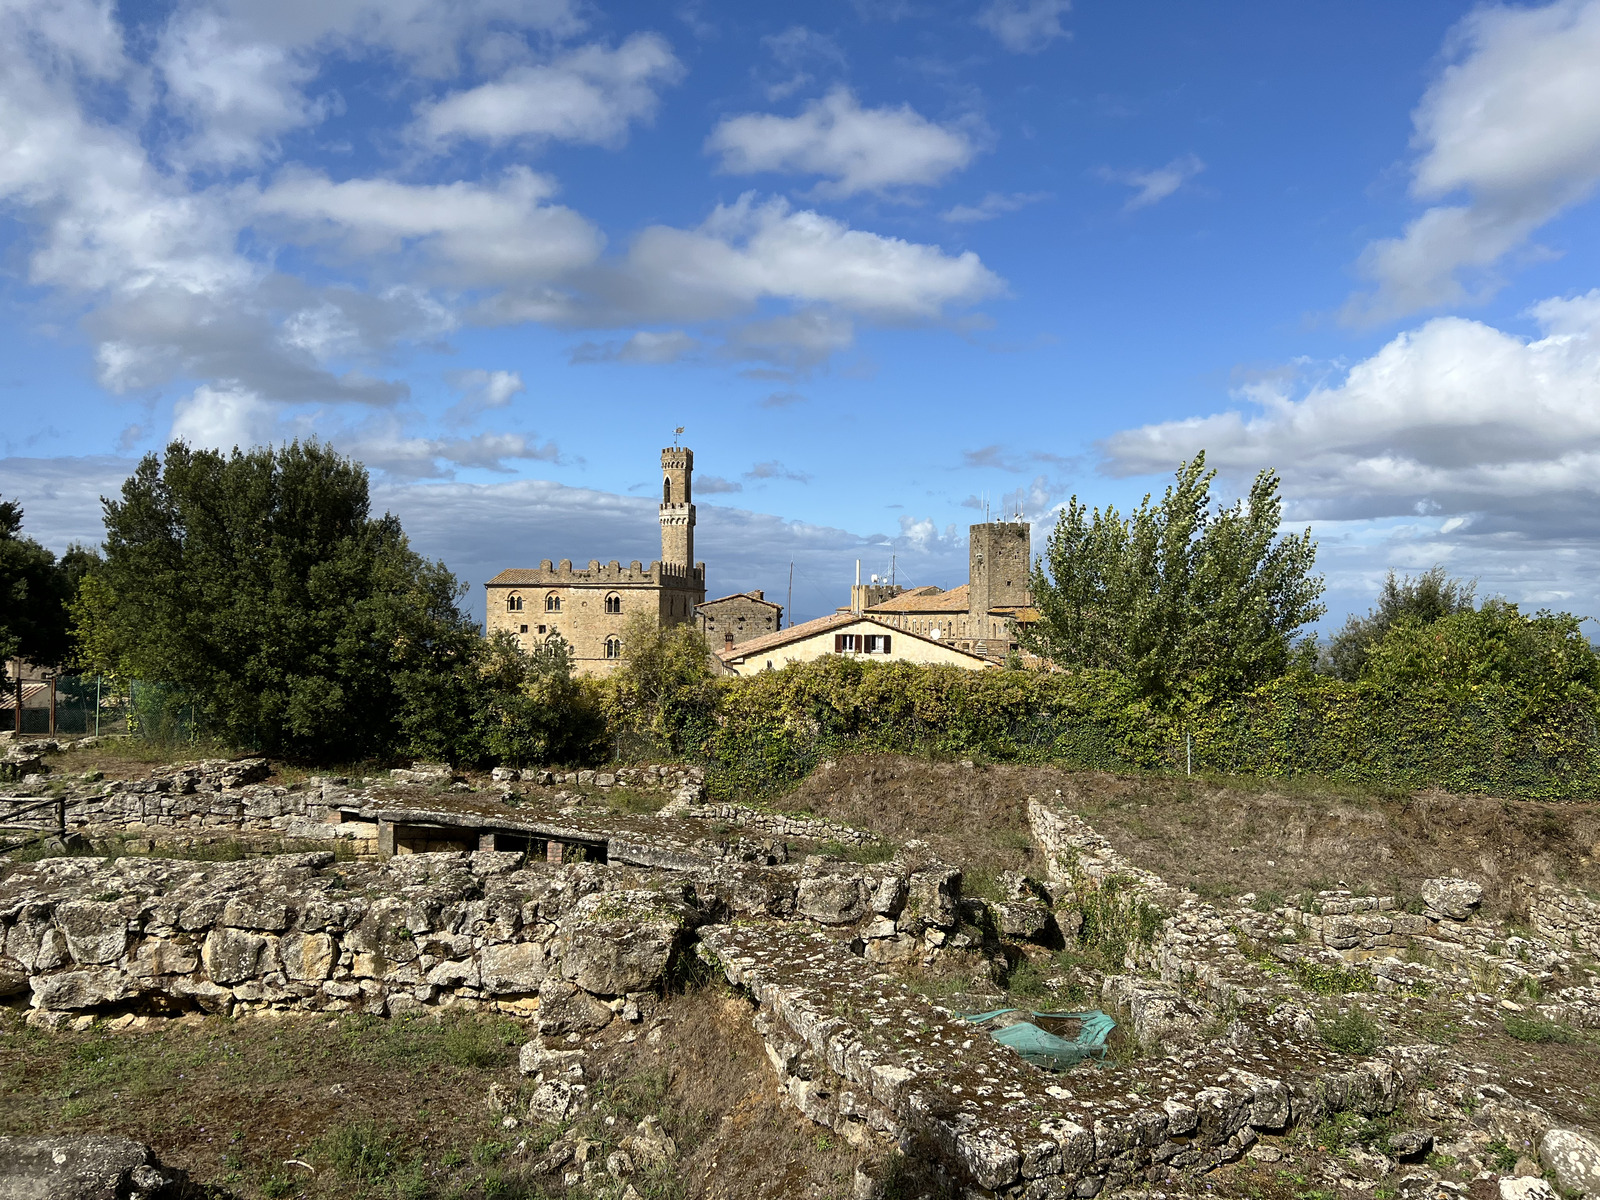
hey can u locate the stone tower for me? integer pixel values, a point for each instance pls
(999, 555)
(677, 512)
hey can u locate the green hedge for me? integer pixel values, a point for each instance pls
(771, 729)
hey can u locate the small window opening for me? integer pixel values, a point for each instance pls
(613, 647)
(613, 603)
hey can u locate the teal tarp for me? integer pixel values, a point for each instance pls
(1045, 1049)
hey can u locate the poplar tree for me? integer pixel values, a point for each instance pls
(1191, 601)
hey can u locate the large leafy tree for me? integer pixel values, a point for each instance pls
(1428, 598)
(1193, 602)
(34, 592)
(258, 588)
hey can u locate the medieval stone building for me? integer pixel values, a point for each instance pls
(981, 615)
(729, 620)
(588, 607)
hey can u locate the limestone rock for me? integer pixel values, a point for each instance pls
(534, 1059)
(1025, 919)
(1526, 1188)
(831, 899)
(651, 1146)
(1410, 1144)
(78, 1167)
(308, 957)
(890, 896)
(96, 932)
(619, 942)
(934, 894)
(566, 1008)
(13, 978)
(232, 955)
(1573, 1160)
(518, 967)
(556, 1100)
(79, 989)
(1455, 898)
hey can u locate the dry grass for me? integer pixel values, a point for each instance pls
(397, 1108)
(1222, 837)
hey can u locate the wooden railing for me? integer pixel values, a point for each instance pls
(28, 819)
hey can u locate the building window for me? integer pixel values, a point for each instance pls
(877, 643)
(613, 647)
(513, 603)
(524, 629)
(541, 629)
(552, 603)
(614, 603)
(846, 643)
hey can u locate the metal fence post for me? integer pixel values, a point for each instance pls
(97, 706)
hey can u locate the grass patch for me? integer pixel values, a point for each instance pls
(865, 852)
(1539, 1030)
(1326, 979)
(1352, 1032)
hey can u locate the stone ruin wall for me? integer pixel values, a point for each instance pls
(813, 945)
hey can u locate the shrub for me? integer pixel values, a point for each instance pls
(1537, 1029)
(1352, 1031)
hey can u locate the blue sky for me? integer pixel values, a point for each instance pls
(885, 261)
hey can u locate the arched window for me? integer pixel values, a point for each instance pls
(513, 603)
(666, 491)
(614, 602)
(613, 647)
(552, 603)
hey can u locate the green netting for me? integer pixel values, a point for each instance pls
(1045, 1049)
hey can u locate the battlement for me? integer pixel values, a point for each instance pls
(564, 574)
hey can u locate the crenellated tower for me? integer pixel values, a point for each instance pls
(677, 508)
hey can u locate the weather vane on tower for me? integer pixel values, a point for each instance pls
(676, 434)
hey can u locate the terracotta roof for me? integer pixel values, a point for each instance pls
(807, 629)
(783, 636)
(926, 600)
(740, 596)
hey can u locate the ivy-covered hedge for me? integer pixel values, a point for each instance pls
(771, 729)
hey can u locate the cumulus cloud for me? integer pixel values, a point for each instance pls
(237, 94)
(591, 94)
(1512, 127)
(1154, 186)
(467, 234)
(858, 149)
(715, 485)
(482, 391)
(1454, 419)
(1024, 26)
(991, 206)
(749, 251)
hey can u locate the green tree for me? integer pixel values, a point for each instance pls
(1543, 661)
(258, 588)
(532, 709)
(34, 592)
(1429, 597)
(664, 688)
(1192, 603)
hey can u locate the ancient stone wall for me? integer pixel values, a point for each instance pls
(1563, 918)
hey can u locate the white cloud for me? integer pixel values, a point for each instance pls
(861, 149)
(748, 251)
(591, 94)
(1154, 186)
(1513, 125)
(991, 206)
(222, 418)
(1025, 26)
(1454, 418)
(238, 95)
(470, 234)
(482, 391)
(646, 346)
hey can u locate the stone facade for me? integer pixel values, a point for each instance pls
(981, 615)
(738, 618)
(588, 607)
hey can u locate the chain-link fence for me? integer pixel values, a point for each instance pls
(67, 704)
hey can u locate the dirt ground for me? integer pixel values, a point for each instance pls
(316, 1106)
(1221, 837)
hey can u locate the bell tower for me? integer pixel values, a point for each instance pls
(677, 510)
